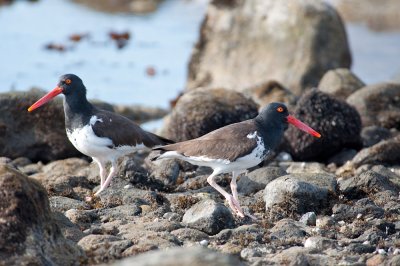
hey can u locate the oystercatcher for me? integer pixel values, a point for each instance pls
(236, 147)
(100, 134)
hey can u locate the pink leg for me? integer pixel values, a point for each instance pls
(231, 201)
(113, 171)
(235, 174)
(102, 168)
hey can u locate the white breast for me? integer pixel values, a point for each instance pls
(85, 140)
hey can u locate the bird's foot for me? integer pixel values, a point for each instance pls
(98, 192)
(235, 206)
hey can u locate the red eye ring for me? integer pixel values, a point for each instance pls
(68, 81)
(279, 109)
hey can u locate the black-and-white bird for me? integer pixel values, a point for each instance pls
(236, 147)
(102, 135)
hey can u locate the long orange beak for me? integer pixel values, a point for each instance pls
(300, 125)
(57, 90)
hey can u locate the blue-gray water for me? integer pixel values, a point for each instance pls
(162, 40)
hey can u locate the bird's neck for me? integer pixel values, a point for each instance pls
(77, 111)
(271, 133)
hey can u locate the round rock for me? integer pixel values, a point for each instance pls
(295, 194)
(201, 111)
(378, 104)
(340, 82)
(209, 217)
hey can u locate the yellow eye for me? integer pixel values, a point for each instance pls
(279, 109)
(68, 81)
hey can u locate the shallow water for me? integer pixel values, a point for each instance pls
(163, 40)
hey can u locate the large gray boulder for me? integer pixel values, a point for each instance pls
(28, 233)
(246, 43)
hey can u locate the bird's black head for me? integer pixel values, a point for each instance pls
(275, 116)
(71, 84)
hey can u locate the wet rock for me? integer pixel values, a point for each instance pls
(28, 233)
(238, 40)
(258, 179)
(132, 6)
(102, 248)
(60, 178)
(181, 256)
(363, 208)
(373, 134)
(201, 111)
(62, 204)
(338, 123)
(309, 218)
(288, 231)
(384, 152)
(40, 135)
(378, 105)
(340, 82)
(320, 243)
(209, 217)
(295, 194)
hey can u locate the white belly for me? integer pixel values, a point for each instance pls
(91, 145)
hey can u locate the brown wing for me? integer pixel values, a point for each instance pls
(123, 131)
(229, 142)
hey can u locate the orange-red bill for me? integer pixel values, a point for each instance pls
(57, 90)
(300, 125)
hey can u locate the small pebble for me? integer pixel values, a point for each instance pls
(341, 223)
(359, 216)
(204, 243)
(128, 186)
(396, 251)
(366, 242)
(88, 198)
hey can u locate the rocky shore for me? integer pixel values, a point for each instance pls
(328, 201)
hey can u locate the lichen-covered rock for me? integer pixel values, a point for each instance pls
(201, 111)
(338, 123)
(246, 43)
(378, 104)
(340, 82)
(28, 233)
(295, 194)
